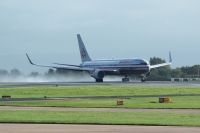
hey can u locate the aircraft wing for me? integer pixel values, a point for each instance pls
(70, 67)
(163, 64)
(67, 65)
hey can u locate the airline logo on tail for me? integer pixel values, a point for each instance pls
(83, 55)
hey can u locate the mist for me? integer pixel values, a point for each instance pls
(56, 78)
(58, 75)
(46, 78)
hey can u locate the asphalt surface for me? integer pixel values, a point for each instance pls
(106, 83)
(66, 128)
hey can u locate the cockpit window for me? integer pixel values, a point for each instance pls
(143, 63)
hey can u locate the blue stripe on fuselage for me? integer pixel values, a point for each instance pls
(133, 64)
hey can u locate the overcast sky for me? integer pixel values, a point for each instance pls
(46, 30)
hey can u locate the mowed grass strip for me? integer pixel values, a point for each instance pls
(73, 91)
(70, 117)
(186, 102)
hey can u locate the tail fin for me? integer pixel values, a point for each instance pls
(83, 51)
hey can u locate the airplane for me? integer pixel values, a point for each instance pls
(98, 69)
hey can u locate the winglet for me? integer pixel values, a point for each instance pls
(29, 59)
(163, 64)
(170, 57)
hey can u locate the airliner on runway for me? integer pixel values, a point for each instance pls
(98, 69)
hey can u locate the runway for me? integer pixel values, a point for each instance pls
(106, 83)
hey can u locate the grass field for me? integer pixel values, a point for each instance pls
(81, 117)
(68, 117)
(176, 103)
(72, 91)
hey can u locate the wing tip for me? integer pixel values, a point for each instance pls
(29, 59)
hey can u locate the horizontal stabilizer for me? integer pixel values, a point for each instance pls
(67, 65)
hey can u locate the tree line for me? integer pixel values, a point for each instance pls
(165, 73)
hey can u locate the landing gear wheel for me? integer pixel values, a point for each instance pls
(99, 80)
(125, 79)
(142, 80)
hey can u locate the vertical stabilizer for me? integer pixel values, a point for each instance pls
(83, 51)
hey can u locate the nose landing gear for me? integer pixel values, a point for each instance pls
(126, 79)
(143, 78)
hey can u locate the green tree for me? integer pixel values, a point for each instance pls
(195, 69)
(191, 70)
(161, 73)
(3, 72)
(34, 74)
(156, 60)
(50, 73)
(15, 72)
(177, 73)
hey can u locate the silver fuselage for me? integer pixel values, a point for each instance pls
(120, 66)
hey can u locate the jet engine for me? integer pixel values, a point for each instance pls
(97, 74)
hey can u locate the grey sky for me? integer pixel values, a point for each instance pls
(46, 30)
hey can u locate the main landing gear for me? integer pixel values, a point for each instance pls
(142, 80)
(99, 80)
(126, 79)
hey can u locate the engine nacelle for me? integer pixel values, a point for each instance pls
(148, 74)
(98, 74)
